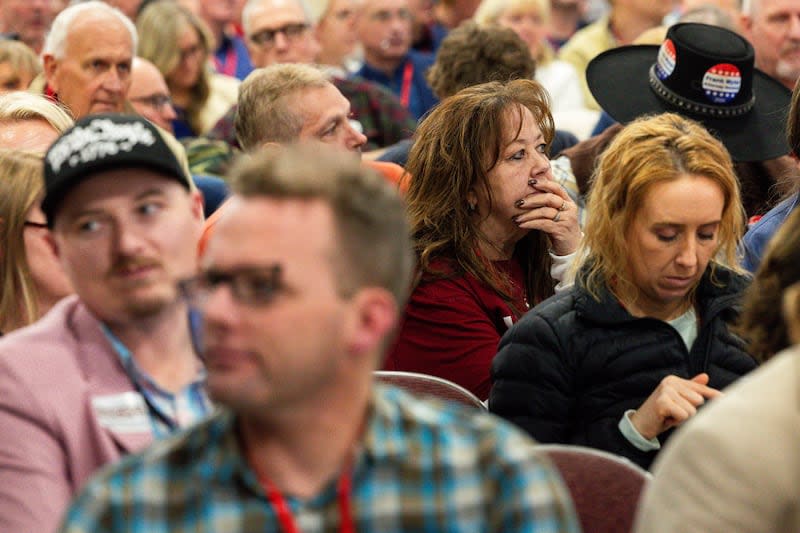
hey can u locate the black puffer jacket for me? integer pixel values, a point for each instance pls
(571, 367)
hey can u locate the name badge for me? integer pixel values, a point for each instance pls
(122, 413)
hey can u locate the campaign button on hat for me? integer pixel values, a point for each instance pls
(721, 83)
(665, 64)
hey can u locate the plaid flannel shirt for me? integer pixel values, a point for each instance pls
(422, 467)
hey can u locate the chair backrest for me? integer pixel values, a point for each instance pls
(427, 385)
(604, 487)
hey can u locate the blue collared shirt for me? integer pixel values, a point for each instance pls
(421, 98)
(755, 241)
(232, 57)
(167, 411)
(422, 467)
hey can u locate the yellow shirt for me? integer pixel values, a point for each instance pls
(583, 47)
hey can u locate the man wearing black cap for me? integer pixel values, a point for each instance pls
(108, 370)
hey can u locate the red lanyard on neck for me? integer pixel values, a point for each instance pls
(229, 66)
(281, 506)
(405, 89)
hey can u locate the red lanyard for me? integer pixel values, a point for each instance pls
(405, 89)
(288, 525)
(229, 66)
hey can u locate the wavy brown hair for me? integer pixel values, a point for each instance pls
(455, 148)
(471, 54)
(651, 150)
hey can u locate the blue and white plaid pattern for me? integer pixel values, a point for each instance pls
(167, 411)
(561, 169)
(423, 467)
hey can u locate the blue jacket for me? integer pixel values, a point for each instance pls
(756, 239)
(421, 97)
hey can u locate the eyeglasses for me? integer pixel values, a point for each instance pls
(253, 286)
(32, 224)
(156, 101)
(291, 31)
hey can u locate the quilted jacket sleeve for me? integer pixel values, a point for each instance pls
(532, 380)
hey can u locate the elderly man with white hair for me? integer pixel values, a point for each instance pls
(87, 58)
(773, 26)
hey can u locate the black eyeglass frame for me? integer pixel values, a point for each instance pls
(266, 37)
(254, 286)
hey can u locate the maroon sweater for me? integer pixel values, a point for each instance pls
(451, 328)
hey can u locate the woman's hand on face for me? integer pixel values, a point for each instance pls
(674, 401)
(551, 210)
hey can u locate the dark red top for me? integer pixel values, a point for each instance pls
(451, 328)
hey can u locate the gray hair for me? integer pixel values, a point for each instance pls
(252, 5)
(21, 105)
(56, 41)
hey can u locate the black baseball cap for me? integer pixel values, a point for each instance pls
(97, 143)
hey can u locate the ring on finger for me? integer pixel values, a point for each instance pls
(558, 216)
(563, 205)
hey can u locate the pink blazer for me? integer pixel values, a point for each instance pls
(51, 439)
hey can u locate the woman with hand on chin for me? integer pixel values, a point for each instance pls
(493, 232)
(179, 44)
(641, 340)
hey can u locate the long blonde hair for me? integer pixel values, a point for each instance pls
(651, 150)
(490, 11)
(160, 26)
(21, 185)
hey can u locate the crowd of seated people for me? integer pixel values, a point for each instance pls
(221, 218)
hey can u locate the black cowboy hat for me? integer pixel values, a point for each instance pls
(703, 72)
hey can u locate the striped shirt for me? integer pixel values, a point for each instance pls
(422, 467)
